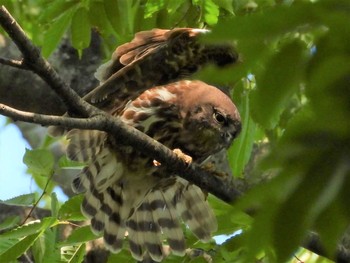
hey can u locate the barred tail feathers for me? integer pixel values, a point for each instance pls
(195, 211)
(144, 232)
(115, 227)
(159, 216)
(166, 216)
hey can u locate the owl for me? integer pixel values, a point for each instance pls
(127, 196)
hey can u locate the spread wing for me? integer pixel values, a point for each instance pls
(154, 58)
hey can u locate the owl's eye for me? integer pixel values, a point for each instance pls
(219, 117)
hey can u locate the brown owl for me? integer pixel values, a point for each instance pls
(126, 194)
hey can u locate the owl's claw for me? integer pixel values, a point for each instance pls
(186, 158)
(156, 163)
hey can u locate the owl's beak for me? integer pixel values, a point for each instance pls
(230, 135)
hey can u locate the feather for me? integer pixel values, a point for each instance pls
(195, 211)
(114, 230)
(165, 215)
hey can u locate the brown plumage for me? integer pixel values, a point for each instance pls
(124, 191)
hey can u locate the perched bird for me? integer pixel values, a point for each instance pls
(125, 191)
(155, 57)
(127, 195)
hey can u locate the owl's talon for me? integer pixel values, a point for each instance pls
(186, 158)
(156, 163)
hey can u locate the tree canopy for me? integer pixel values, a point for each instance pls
(292, 88)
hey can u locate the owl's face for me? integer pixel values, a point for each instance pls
(210, 122)
(209, 129)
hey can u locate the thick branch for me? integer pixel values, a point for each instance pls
(140, 141)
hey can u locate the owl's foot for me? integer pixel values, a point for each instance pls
(186, 158)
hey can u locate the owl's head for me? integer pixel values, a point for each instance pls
(211, 121)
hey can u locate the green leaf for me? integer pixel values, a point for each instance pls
(121, 16)
(6, 244)
(230, 219)
(54, 205)
(19, 248)
(21, 200)
(310, 256)
(79, 254)
(98, 18)
(211, 12)
(55, 32)
(55, 8)
(173, 6)
(80, 30)
(73, 254)
(330, 235)
(65, 163)
(225, 4)
(278, 83)
(239, 153)
(45, 249)
(79, 235)
(153, 6)
(29, 229)
(269, 24)
(315, 192)
(112, 12)
(9, 222)
(122, 256)
(70, 210)
(39, 161)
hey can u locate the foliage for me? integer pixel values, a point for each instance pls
(292, 89)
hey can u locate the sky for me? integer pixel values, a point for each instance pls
(13, 178)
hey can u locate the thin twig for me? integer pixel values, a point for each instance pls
(39, 199)
(13, 63)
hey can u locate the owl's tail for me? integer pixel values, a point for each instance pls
(148, 208)
(159, 218)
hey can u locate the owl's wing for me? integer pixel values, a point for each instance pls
(143, 43)
(154, 58)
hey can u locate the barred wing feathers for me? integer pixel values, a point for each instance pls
(149, 208)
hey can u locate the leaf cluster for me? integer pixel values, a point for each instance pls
(292, 89)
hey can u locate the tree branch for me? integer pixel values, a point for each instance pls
(13, 63)
(99, 120)
(35, 62)
(140, 141)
